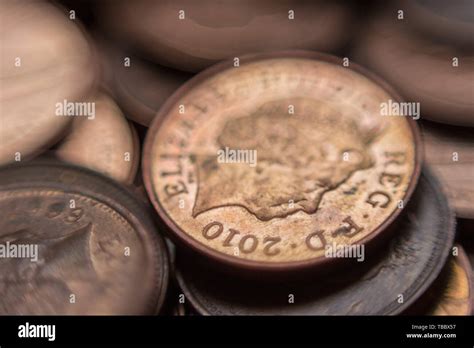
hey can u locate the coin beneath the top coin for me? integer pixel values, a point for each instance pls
(384, 284)
(265, 165)
(74, 242)
(452, 293)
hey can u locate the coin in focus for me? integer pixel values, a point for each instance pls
(75, 242)
(386, 283)
(105, 142)
(264, 165)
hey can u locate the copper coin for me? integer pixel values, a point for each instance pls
(45, 60)
(385, 284)
(438, 76)
(106, 142)
(190, 35)
(318, 165)
(452, 293)
(451, 21)
(450, 152)
(88, 247)
(141, 87)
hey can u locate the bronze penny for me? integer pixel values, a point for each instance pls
(449, 150)
(452, 293)
(437, 75)
(318, 164)
(106, 142)
(45, 61)
(97, 249)
(384, 284)
(450, 21)
(191, 35)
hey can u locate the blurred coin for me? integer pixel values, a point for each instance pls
(384, 284)
(266, 165)
(191, 35)
(450, 152)
(451, 21)
(106, 142)
(452, 293)
(45, 62)
(97, 249)
(438, 76)
(141, 87)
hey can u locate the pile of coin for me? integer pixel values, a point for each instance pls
(232, 158)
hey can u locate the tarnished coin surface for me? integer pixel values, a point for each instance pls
(452, 293)
(387, 283)
(266, 164)
(105, 142)
(74, 242)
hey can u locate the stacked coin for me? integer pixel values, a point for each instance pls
(190, 35)
(425, 63)
(72, 241)
(38, 75)
(450, 152)
(282, 166)
(281, 176)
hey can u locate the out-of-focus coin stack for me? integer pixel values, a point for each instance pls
(282, 157)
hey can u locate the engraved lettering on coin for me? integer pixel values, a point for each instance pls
(333, 164)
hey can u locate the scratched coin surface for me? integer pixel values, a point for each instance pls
(97, 251)
(265, 164)
(383, 284)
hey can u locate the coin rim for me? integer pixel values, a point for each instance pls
(466, 266)
(416, 288)
(234, 261)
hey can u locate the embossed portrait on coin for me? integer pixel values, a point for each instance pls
(301, 156)
(63, 264)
